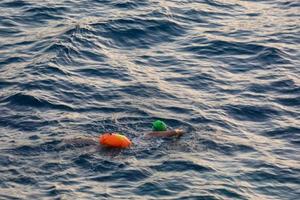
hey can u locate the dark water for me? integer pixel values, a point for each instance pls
(228, 72)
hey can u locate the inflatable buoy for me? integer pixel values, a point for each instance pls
(159, 126)
(114, 140)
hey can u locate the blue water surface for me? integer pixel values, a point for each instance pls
(226, 71)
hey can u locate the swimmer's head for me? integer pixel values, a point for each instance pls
(159, 126)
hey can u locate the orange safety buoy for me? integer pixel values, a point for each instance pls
(114, 140)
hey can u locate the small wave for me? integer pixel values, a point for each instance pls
(158, 189)
(66, 53)
(289, 4)
(219, 47)
(129, 4)
(24, 180)
(15, 4)
(221, 4)
(131, 175)
(22, 99)
(4, 84)
(279, 86)
(180, 165)
(272, 56)
(227, 148)
(251, 112)
(284, 133)
(247, 52)
(46, 9)
(144, 90)
(11, 60)
(25, 124)
(272, 174)
(11, 32)
(104, 73)
(289, 101)
(139, 32)
(201, 81)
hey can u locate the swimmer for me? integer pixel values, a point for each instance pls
(159, 129)
(168, 133)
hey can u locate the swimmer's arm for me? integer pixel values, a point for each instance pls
(170, 133)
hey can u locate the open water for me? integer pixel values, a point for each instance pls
(226, 71)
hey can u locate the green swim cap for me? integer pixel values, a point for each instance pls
(159, 126)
